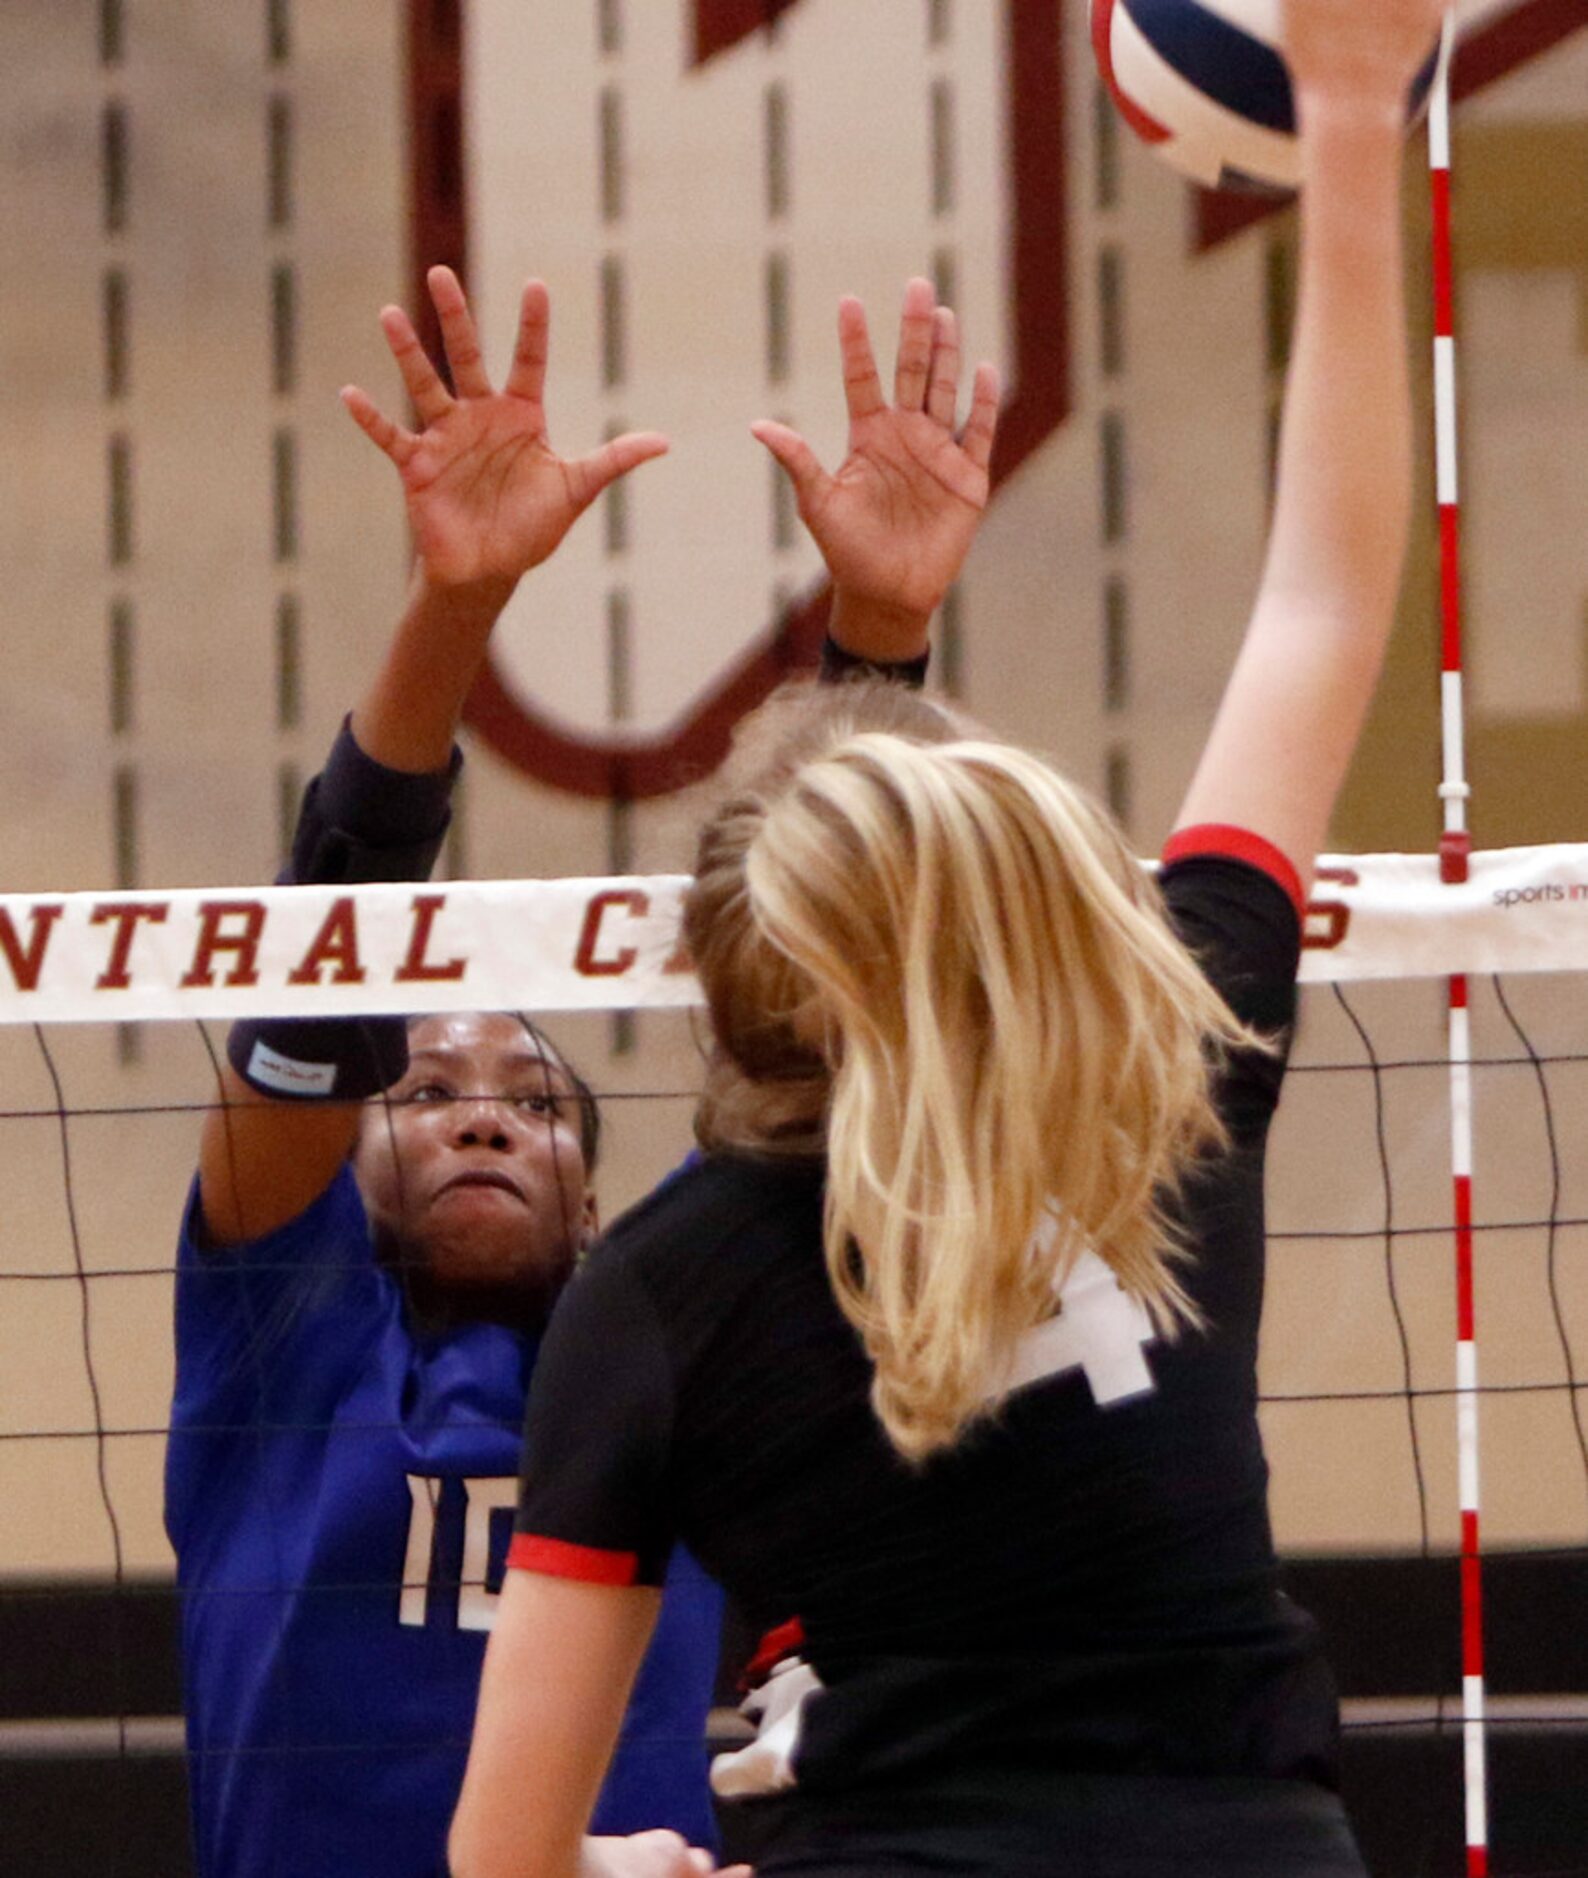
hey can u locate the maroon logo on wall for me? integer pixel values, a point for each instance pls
(634, 768)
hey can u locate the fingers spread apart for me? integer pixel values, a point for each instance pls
(431, 399)
(588, 475)
(981, 426)
(913, 365)
(527, 379)
(942, 389)
(461, 341)
(397, 443)
(862, 386)
(797, 458)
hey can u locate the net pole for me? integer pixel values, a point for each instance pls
(1455, 847)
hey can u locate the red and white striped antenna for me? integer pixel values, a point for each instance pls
(1455, 847)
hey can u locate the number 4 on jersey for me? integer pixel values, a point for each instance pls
(1100, 1330)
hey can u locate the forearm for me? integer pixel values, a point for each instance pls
(1344, 486)
(377, 811)
(561, 1661)
(409, 713)
(263, 1162)
(1294, 707)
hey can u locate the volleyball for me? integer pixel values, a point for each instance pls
(1204, 83)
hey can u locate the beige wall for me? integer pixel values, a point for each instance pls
(1520, 154)
(205, 579)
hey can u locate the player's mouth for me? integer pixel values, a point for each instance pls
(484, 1177)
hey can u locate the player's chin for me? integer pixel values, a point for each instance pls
(502, 1255)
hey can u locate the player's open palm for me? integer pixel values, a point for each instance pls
(896, 521)
(488, 497)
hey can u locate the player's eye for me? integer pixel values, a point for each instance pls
(430, 1092)
(539, 1102)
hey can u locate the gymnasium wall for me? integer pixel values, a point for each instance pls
(202, 210)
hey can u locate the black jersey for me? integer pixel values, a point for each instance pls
(1084, 1585)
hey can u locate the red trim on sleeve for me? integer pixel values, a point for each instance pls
(1238, 844)
(786, 1640)
(529, 1552)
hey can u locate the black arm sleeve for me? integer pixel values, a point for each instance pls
(839, 664)
(359, 821)
(363, 821)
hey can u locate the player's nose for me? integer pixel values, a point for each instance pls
(482, 1122)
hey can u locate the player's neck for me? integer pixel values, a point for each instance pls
(434, 1308)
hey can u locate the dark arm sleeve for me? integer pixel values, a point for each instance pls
(839, 664)
(359, 821)
(362, 821)
(593, 1496)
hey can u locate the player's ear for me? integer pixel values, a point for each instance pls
(589, 1220)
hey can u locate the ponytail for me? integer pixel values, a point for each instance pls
(940, 958)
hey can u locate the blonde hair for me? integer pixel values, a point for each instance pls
(932, 954)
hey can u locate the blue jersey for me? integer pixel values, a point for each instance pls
(340, 1492)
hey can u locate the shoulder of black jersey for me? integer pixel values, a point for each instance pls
(1235, 904)
(709, 1201)
(1236, 854)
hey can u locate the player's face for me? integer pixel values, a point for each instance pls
(474, 1165)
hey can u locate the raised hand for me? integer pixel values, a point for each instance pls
(488, 497)
(1365, 50)
(896, 521)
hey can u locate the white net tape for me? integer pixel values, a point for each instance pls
(612, 944)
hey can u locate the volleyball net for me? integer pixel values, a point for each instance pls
(1426, 1330)
(612, 944)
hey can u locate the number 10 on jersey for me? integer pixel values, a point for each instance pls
(482, 1496)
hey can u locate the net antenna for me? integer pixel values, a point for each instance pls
(1455, 848)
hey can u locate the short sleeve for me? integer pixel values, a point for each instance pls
(244, 1311)
(593, 1499)
(1236, 911)
(267, 1332)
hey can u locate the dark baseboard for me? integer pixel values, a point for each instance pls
(78, 1651)
(84, 1648)
(1392, 1625)
(86, 1818)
